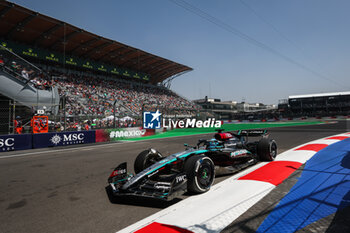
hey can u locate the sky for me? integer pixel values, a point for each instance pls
(241, 50)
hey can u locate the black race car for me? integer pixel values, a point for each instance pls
(192, 170)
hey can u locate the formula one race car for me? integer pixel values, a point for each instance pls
(192, 170)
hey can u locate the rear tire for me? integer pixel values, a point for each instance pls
(145, 159)
(267, 149)
(200, 172)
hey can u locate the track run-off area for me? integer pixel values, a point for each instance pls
(63, 189)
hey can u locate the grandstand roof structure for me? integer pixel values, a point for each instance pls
(319, 95)
(23, 25)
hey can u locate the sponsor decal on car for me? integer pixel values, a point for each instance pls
(181, 178)
(153, 173)
(118, 172)
(239, 152)
(162, 185)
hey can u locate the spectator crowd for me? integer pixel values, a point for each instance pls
(87, 94)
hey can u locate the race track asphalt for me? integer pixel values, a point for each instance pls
(63, 189)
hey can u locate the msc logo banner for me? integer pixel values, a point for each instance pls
(7, 144)
(68, 139)
(42, 140)
(151, 120)
(15, 142)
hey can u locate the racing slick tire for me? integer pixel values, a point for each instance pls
(145, 159)
(200, 172)
(267, 149)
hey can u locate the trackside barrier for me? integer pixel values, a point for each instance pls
(124, 133)
(63, 139)
(102, 135)
(15, 142)
(43, 140)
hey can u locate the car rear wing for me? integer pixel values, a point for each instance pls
(252, 132)
(222, 136)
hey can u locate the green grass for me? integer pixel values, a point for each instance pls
(226, 127)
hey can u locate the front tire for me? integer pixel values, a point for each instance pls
(200, 172)
(267, 149)
(145, 159)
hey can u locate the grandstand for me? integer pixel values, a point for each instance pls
(233, 110)
(316, 105)
(77, 76)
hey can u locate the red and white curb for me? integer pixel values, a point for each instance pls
(226, 201)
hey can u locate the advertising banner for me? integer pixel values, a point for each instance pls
(15, 142)
(63, 139)
(124, 133)
(43, 54)
(102, 135)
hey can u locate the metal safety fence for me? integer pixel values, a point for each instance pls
(14, 114)
(5, 116)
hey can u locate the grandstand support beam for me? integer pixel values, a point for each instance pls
(65, 38)
(114, 108)
(96, 49)
(167, 73)
(167, 82)
(6, 9)
(47, 34)
(64, 111)
(19, 26)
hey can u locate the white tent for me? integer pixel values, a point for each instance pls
(127, 118)
(110, 118)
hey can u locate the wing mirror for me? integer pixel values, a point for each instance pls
(189, 147)
(200, 141)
